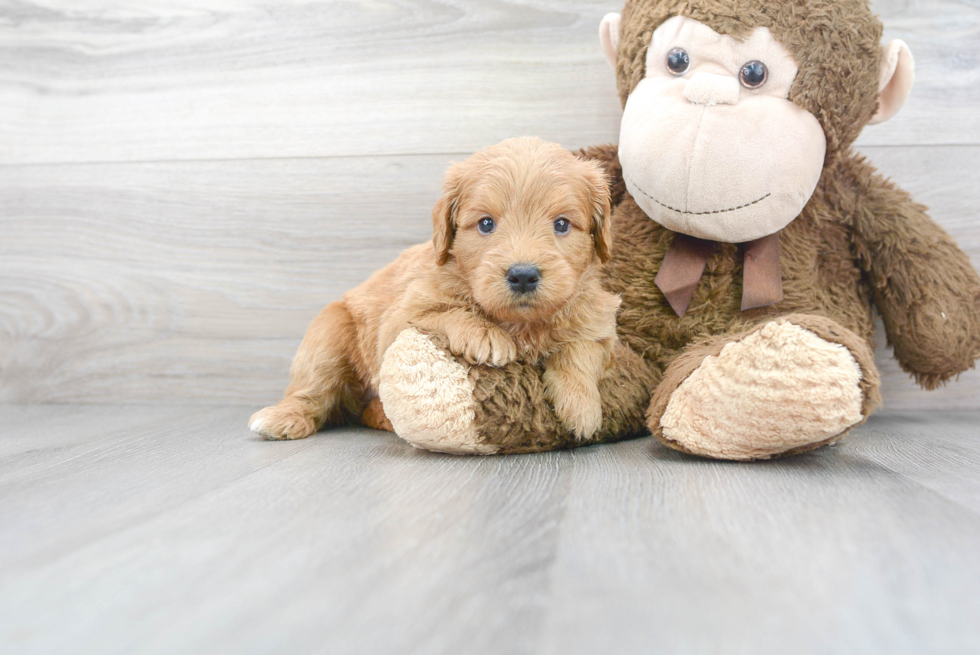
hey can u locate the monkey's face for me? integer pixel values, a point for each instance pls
(711, 146)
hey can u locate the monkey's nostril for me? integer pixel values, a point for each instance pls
(523, 278)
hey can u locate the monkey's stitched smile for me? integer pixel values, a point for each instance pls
(681, 211)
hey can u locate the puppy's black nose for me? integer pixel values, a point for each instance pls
(523, 278)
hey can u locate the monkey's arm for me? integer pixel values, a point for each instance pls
(506, 408)
(924, 286)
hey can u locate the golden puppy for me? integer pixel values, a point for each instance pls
(511, 271)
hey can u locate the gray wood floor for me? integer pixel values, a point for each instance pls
(184, 185)
(173, 530)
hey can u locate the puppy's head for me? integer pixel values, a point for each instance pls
(523, 221)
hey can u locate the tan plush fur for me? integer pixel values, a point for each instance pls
(836, 45)
(739, 184)
(859, 243)
(457, 286)
(443, 420)
(735, 404)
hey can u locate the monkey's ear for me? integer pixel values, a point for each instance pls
(609, 37)
(444, 215)
(601, 209)
(895, 76)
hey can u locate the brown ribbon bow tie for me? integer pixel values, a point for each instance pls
(680, 272)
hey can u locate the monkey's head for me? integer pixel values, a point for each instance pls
(733, 108)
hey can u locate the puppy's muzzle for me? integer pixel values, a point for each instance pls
(523, 278)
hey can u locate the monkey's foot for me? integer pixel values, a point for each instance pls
(428, 397)
(788, 386)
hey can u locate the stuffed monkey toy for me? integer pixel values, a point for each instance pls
(750, 246)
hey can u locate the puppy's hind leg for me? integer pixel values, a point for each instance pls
(325, 388)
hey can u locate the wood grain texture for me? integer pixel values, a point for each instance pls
(298, 146)
(174, 281)
(194, 281)
(161, 530)
(104, 81)
(278, 126)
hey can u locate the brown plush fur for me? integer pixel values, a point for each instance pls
(859, 242)
(512, 410)
(457, 287)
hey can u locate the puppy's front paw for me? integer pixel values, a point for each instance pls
(579, 408)
(282, 421)
(489, 345)
(583, 417)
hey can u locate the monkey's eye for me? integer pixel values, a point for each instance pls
(563, 226)
(753, 75)
(678, 61)
(486, 225)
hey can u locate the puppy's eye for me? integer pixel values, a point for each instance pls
(563, 226)
(678, 61)
(486, 225)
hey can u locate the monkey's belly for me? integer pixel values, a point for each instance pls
(818, 278)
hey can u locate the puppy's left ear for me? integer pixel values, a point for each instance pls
(444, 214)
(600, 206)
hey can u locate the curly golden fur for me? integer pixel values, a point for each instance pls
(461, 286)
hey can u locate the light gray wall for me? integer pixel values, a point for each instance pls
(183, 185)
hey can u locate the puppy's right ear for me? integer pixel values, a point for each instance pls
(444, 215)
